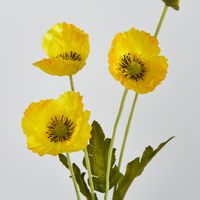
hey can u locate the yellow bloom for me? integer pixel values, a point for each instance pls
(67, 48)
(57, 126)
(134, 60)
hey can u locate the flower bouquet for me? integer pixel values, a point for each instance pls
(61, 126)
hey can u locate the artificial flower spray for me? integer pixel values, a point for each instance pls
(61, 126)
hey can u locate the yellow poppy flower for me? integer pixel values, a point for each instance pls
(57, 126)
(134, 60)
(67, 48)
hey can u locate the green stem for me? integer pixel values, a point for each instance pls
(68, 156)
(89, 173)
(127, 130)
(85, 152)
(112, 143)
(73, 176)
(161, 21)
(71, 83)
(136, 96)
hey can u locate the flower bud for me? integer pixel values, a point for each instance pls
(172, 3)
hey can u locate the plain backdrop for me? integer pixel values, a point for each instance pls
(171, 110)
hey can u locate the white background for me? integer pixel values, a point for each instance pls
(172, 109)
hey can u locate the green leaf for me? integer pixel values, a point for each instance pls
(98, 155)
(172, 3)
(81, 182)
(135, 169)
(79, 177)
(63, 160)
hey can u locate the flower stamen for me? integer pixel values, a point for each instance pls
(132, 67)
(60, 130)
(70, 56)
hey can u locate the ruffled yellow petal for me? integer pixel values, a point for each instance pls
(134, 41)
(57, 126)
(64, 38)
(34, 115)
(67, 48)
(134, 60)
(82, 138)
(59, 66)
(157, 70)
(74, 100)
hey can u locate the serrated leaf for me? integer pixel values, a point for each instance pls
(98, 155)
(135, 169)
(172, 3)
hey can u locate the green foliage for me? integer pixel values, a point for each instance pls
(79, 177)
(172, 3)
(81, 182)
(135, 169)
(63, 160)
(98, 155)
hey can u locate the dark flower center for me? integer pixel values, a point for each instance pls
(132, 67)
(70, 56)
(60, 129)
